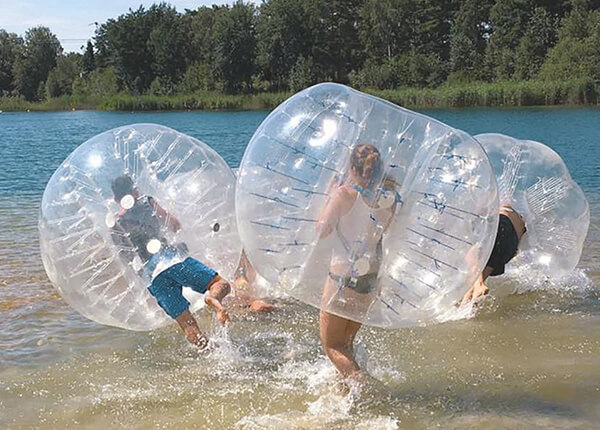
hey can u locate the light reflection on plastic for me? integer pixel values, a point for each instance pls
(327, 131)
(545, 260)
(95, 160)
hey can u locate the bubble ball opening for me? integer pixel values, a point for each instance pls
(422, 226)
(535, 181)
(102, 269)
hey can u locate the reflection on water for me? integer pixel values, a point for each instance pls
(527, 360)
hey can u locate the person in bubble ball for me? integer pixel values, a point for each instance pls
(243, 285)
(358, 212)
(511, 228)
(139, 232)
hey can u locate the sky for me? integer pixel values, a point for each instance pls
(73, 20)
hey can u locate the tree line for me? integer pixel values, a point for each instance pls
(290, 44)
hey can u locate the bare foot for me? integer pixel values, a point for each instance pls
(195, 337)
(260, 306)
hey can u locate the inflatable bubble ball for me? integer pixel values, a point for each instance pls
(534, 180)
(124, 206)
(364, 209)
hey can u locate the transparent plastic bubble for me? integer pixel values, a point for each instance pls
(407, 239)
(535, 181)
(101, 254)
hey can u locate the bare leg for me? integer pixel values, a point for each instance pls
(245, 277)
(191, 330)
(337, 337)
(217, 290)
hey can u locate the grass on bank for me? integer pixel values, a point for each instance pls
(506, 93)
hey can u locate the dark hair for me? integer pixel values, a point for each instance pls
(121, 186)
(366, 161)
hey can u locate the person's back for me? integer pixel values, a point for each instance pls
(142, 226)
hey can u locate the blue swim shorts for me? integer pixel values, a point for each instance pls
(168, 284)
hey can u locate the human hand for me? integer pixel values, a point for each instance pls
(260, 306)
(475, 293)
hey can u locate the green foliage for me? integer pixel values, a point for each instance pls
(88, 61)
(336, 46)
(386, 27)
(11, 46)
(158, 58)
(234, 46)
(282, 37)
(197, 77)
(162, 87)
(200, 23)
(409, 70)
(538, 38)
(468, 41)
(99, 83)
(502, 93)
(144, 44)
(508, 20)
(432, 27)
(60, 79)
(577, 53)
(303, 74)
(38, 57)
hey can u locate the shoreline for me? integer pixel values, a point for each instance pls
(474, 95)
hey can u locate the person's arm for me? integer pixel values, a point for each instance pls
(164, 216)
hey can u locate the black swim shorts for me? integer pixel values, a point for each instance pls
(505, 247)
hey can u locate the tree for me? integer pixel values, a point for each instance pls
(539, 37)
(38, 57)
(60, 79)
(508, 20)
(432, 27)
(282, 37)
(577, 53)
(11, 46)
(200, 23)
(167, 42)
(303, 74)
(468, 39)
(88, 60)
(100, 82)
(386, 27)
(234, 46)
(144, 44)
(336, 48)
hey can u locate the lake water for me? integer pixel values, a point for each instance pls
(530, 359)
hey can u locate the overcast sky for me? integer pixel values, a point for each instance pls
(73, 20)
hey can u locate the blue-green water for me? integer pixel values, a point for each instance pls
(527, 360)
(33, 144)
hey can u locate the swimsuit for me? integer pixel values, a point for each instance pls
(359, 247)
(506, 245)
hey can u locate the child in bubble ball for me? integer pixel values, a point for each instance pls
(138, 231)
